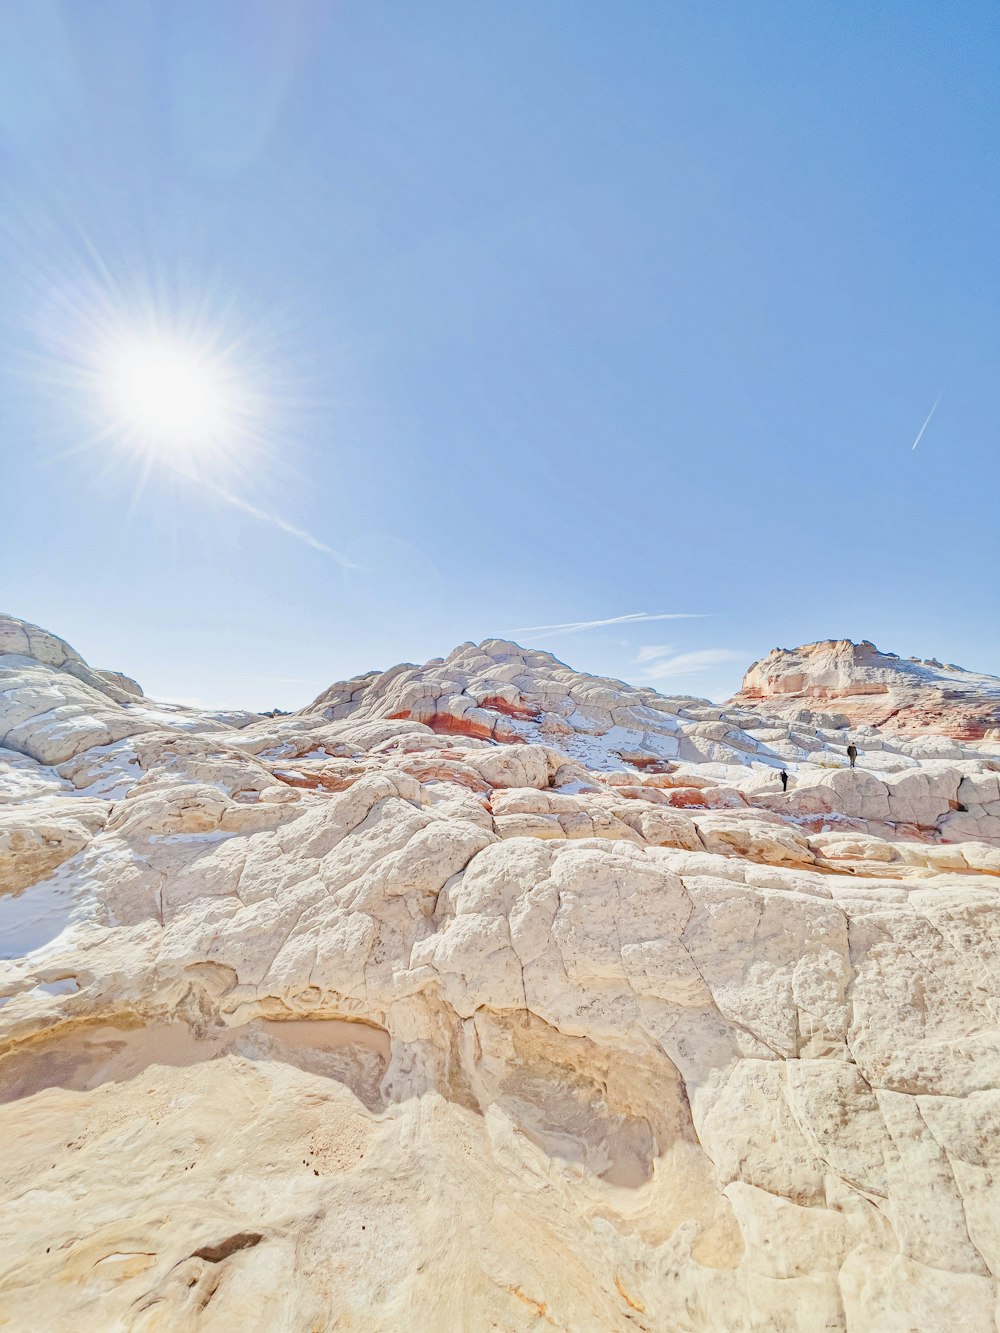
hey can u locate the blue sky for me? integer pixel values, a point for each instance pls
(548, 314)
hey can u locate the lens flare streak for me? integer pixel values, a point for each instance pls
(165, 385)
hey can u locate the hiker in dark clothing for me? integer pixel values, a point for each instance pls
(852, 753)
(784, 780)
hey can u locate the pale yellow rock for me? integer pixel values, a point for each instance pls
(37, 837)
(350, 1019)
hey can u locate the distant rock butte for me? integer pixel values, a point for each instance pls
(906, 696)
(489, 994)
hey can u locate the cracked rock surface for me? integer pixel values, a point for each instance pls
(487, 994)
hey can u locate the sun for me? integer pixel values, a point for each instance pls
(169, 398)
(168, 381)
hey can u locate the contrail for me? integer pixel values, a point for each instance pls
(575, 626)
(276, 522)
(928, 421)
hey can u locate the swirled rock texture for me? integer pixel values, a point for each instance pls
(486, 994)
(907, 696)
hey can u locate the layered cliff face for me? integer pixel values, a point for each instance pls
(486, 994)
(900, 695)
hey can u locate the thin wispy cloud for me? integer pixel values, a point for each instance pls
(663, 664)
(276, 521)
(920, 432)
(578, 626)
(650, 651)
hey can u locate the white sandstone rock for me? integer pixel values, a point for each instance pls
(489, 994)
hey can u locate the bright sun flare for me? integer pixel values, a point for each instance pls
(168, 398)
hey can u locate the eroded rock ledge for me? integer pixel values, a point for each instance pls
(487, 994)
(905, 696)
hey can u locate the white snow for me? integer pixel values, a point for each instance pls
(22, 779)
(213, 835)
(115, 770)
(62, 986)
(40, 914)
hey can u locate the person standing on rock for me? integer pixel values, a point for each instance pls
(852, 753)
(784, 780)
